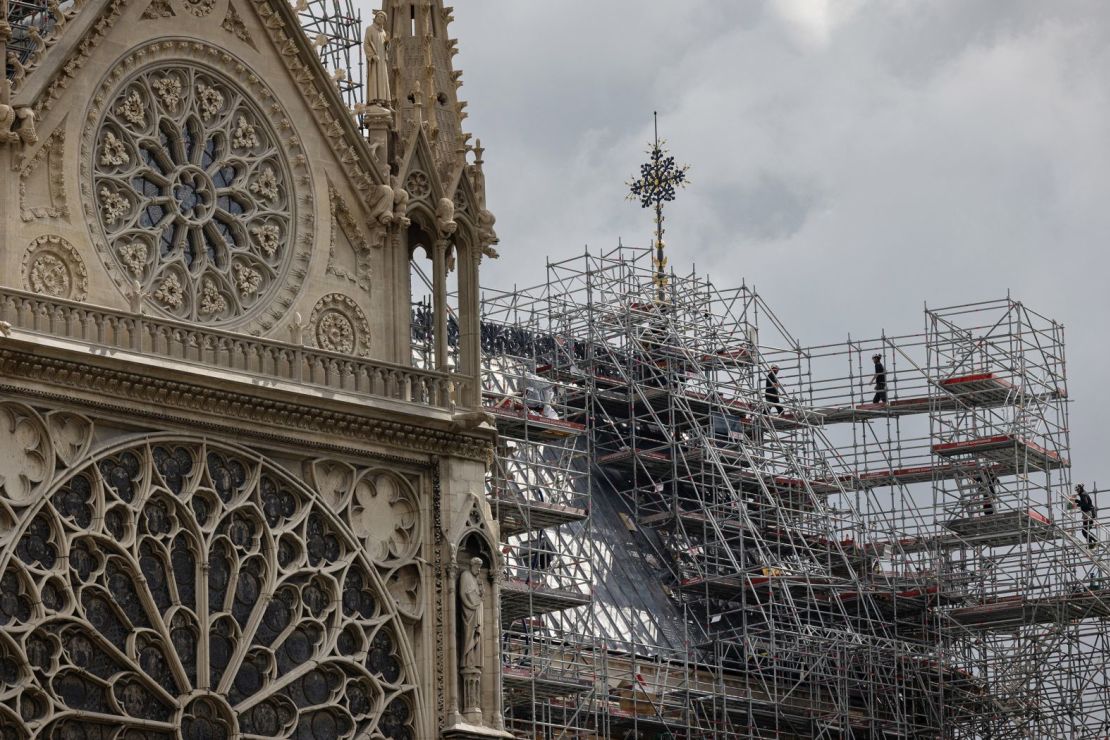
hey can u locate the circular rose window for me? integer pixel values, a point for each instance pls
(180, 590)
(192, 192)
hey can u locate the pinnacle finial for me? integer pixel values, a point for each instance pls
(660, 179)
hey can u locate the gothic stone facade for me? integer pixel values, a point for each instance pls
(229, 504)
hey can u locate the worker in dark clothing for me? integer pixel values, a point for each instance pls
(541, 553)
(773, 389)
(879, 379)
(988, 489)
(1083, 501)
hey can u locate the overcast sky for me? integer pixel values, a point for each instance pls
(852, 159)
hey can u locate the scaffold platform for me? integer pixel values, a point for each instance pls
(1006, 449)
(521, 599)
(517, 421)
(520, 516)
(1016, 611)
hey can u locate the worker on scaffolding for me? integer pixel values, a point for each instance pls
(773, 390)
(879, 379)
(987, 481)
(1082, 500)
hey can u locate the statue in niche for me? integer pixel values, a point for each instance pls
(471, 595)
(471, 606)
(377, 62)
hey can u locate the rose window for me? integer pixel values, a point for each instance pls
(179, 591)
(193, 193)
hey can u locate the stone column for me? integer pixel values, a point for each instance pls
(470, 340)
(439, 303)
(452, 621)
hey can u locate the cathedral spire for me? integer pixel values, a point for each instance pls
(423, 81)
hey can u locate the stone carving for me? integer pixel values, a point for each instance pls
(113, 152)
(445, 216)
(158, 9)
(181, 402)
(471, 607)
(113, 206)
(170, 292)
(247, 280)
(168, 89)
(58, 16)
(210, 101)
(49, 276)
(381, 205)
(375, 44)
(405, 584)
(486, 234)
(211, 302)
(211, 197)
(26, 457)
(134, 257)
(38, 46)
(343, 224)
(339, 325)
(234, 25)
(471, 598)
(400, 202)
(418, 185)
(199, 8)
(72, 435)
(268, 237)
(244, 137)
(335, 333)
(19, 72)
(198, 589)
(42, 192)
(51, 266)
(265, 184)
(384, 514)
(17, 124)
(133, 109)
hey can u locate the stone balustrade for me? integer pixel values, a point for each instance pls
(200, 347)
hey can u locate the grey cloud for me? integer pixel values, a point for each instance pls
(853, 163)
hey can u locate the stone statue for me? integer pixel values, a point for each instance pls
(7, 120)
(445, 216)
(400, 201)
(471, 595)
(27, 132)
(17, 124)
(377, 63)
(381, 204)
(18, 70)
(486, 234)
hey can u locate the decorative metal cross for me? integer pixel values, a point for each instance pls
(660, 179)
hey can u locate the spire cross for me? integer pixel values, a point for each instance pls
(660, 179)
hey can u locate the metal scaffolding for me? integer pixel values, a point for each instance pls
(334, 27)
(699, 548)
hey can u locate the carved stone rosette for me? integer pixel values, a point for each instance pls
(339, 325)
(52, 267)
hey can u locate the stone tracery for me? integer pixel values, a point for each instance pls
(194, 193)
(180, 589)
